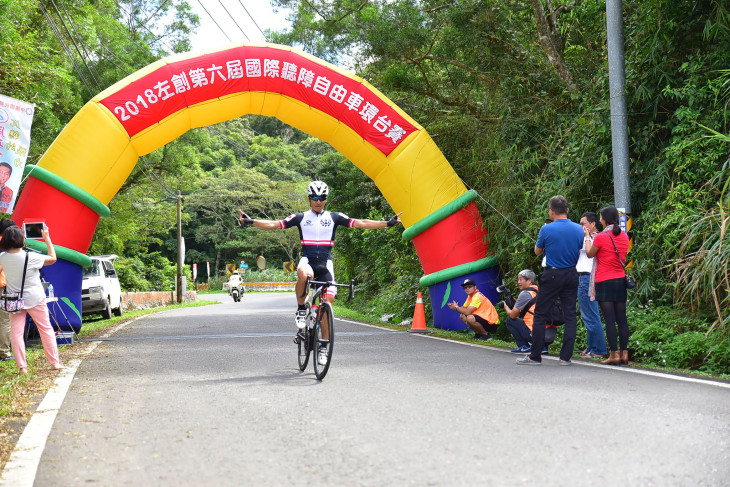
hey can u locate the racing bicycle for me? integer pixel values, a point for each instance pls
(319, 331)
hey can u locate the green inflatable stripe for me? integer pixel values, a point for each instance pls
(70, 189)
(61, 252)
(459, 270)
(438, 215)
(71, 305)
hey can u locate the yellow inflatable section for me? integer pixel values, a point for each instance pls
(101, 145)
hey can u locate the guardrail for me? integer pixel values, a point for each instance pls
(153, 299)
(269, 286)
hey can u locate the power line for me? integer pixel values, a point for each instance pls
(157, 38)
(283, 171)
(69, 54)
(70, 21)
(234, 20)
(55, 7)
(252, 19)
(214, 21)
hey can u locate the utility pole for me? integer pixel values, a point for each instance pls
(619, 116)
(179, 249)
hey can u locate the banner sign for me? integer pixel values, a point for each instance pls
(181, 84)
(195, 271)
(16, 118)
(207, 266)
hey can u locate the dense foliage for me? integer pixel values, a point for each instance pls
(514, 93)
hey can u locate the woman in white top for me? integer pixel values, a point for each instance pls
(34, 297)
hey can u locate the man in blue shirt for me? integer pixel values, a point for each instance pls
(561, 240)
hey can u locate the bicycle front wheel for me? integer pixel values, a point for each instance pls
(324, 340)
(303, 347)
(304, 342)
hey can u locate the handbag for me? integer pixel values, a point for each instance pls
(630, 281)
(13, 302)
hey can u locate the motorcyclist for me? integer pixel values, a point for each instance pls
(234, 282)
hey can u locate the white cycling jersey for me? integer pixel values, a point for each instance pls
(317, 232)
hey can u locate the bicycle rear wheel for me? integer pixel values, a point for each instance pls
(325, 318)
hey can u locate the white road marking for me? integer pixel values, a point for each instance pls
(21, 468)
(630, 370)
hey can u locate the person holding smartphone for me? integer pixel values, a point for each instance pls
(6, 352)
(17, 263)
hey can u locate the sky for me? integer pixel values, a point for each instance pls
(209, 35)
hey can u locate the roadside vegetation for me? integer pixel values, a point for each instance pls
(520, 119)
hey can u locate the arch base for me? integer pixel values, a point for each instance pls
(444, 292)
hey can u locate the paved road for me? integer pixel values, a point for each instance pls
(212, 396)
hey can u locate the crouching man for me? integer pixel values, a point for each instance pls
(521, 315)
(478, 312)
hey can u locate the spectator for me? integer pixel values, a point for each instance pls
(595, 340)
(5, 349)
(478, 312)
(13, 263)
(561, 241)
(609, 249)
(521, 315)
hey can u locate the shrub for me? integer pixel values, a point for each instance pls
(718, 361)
(687, 351)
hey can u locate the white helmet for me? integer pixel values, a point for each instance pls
(317, 188)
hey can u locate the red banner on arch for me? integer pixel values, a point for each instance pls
(173, 87)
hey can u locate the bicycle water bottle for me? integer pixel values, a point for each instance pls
(50, 290)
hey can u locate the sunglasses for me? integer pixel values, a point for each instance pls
(318, 198)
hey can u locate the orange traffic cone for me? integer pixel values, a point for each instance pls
(419, 317)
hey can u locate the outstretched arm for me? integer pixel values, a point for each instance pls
(377, 224)
(51, 257)
(262, 224)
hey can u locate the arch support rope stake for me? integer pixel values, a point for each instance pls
(92, 157)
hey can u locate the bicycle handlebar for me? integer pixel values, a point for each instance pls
(312, 282)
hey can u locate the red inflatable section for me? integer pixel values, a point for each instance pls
(438, 249)
(71, 223)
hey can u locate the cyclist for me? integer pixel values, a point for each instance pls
(317, 234)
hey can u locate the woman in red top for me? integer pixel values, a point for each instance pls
(610, 282)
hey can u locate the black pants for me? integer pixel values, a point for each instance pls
(614, 314)
(556, 283)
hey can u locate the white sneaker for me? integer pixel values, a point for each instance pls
(323, 356)
(300, 318)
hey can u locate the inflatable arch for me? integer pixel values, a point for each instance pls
(92, 157)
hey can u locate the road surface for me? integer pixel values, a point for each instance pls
(213, 396)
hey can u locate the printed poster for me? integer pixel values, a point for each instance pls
(16, 118)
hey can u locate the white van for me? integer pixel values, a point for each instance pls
(100, 289)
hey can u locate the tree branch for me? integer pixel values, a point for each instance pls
(342, 17)
(547, 31)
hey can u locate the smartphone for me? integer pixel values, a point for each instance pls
(33, 230)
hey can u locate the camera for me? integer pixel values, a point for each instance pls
(506, 296)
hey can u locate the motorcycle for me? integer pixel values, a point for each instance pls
(236, 294)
